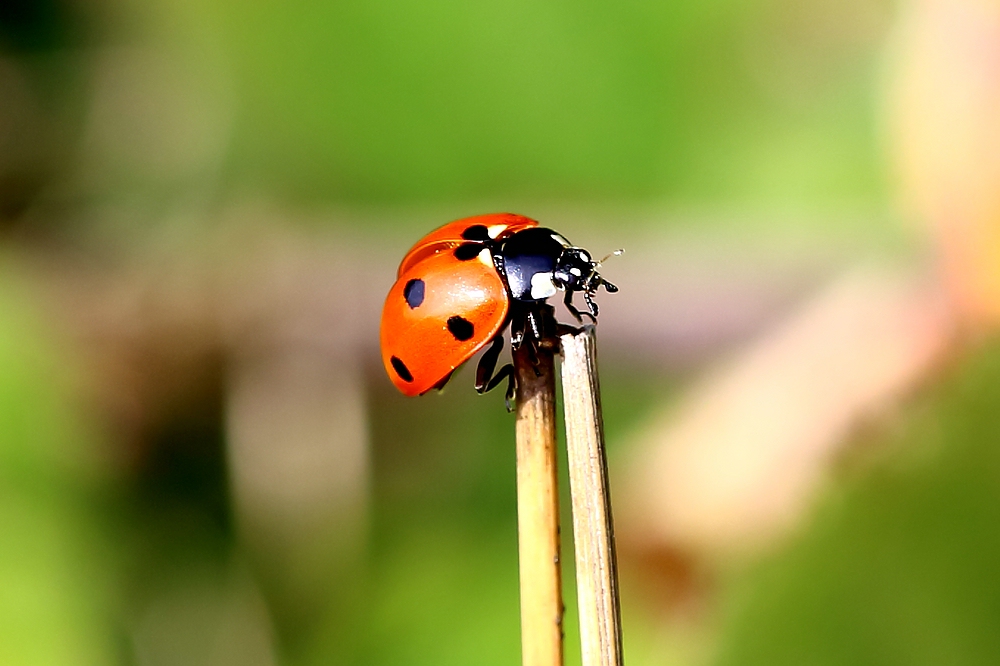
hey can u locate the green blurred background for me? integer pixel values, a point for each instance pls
(201, 206)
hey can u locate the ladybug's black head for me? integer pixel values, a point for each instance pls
(576, 271)
(573, 270)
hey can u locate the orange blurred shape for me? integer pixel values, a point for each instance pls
(944, 121)
(735, 463)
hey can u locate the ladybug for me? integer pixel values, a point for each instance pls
(460, 286)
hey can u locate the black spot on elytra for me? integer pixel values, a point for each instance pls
(461, 328)
(413, 292)
(401, 369)
(467, 251)
(477, 232)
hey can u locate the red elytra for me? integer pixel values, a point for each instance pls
(415, 330)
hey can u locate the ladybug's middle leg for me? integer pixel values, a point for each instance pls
(535, 333)
(534, 325)
(591, 305)
(518, 327)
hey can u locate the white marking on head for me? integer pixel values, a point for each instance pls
(542, 286)
(485, 257)
(576, 271)
(495, 230)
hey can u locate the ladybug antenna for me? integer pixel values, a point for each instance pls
(617, 253)
(594, 280)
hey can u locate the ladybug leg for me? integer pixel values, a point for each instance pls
(506, 372)
(535, 326)
(440, 385)
(517, 325)
(568, 301)
(608, 287)
(487, 364)
(533, 355)
(591, 305)
(486, 381)
(535, 337)
(509, 394)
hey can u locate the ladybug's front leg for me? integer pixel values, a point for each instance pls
(568, 302)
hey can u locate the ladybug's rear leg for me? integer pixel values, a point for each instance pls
(507, 372)
(487, 364)
(485, 379)
(440, 385)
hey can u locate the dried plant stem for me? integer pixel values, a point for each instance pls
(538, 510)
(593, 529)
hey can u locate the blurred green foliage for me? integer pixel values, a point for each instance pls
(390, 101)
(901, 562)
(56, 567)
